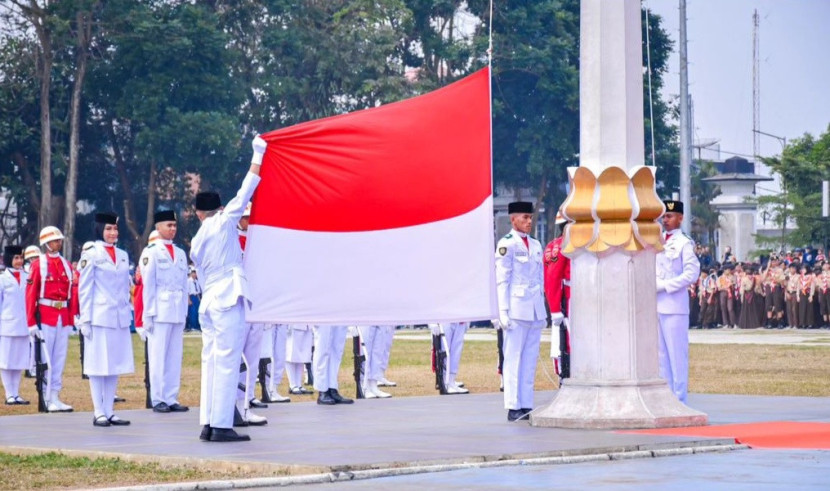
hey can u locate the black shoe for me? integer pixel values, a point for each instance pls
(178, 408)
(325, 399)
(516, 415)
(527, 410)
(116, 421)
(119, 399)
(257, 404)
(161, 408)
(338, 398)
(226, 435)
(100, 421)
(206, 432)
(238, 422)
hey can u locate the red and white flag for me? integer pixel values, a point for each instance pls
(382, 216)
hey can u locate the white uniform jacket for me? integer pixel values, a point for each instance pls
(13, 304)
(217, 255)
(520, 278)
(165, 284)
(104, 288)
(677, 268)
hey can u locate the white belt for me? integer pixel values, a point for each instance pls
(58, 304)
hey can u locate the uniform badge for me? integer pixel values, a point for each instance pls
(29, 280)
(83, 263)
(145, 261)
(502, 250)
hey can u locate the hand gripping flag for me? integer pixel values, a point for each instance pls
(382, 216)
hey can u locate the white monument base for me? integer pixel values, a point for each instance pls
(623, 404)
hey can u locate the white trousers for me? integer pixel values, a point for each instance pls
(164, 348)
(295, 373)
(389, 337)
(521, 351)
(329, 343)
(374, 341)
(252, 349)
(56, 340)
(11, 382)
(102, 389)
(673, 352)
(454, 335)
(277, 355)
(222, 337)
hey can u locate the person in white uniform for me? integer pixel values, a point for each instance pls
(329, 343)
(374, 341)
(522, 313)
(217, 256)
(251, 350)
(274, 347)
(14, 333)
(389, 338)
(454, 338)
(298, 344)
(677, 268)
(105, 318)
(163, 269)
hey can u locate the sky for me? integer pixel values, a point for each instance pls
(794, 69)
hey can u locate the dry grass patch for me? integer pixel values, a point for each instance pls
(754, 369)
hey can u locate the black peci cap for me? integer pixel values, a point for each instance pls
(520, 207)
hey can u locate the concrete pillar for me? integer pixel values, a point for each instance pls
(612, 242)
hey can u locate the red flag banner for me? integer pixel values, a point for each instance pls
(382, 216)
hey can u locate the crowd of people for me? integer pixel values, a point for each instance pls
(790, 290)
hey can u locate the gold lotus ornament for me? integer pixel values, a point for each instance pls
(616, 209)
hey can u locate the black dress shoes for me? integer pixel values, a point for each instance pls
(226, 435)
(205, 434)
(338, 398)
(257, 404)
(161, 408)
(325, 399)
(178, 408)
(116, 421)
(517, 414)
(100, 421)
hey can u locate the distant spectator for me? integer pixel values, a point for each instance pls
(728, 257)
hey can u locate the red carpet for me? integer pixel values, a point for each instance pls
(772, 434)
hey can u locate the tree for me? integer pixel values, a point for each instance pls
(803, 164)
(706, 219)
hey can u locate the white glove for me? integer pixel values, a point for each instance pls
(142, 333)
(661, 285)
(148, 325)
(434, 329)
(86, 330)
(556, 318)
(259, 145)
(34, 332)
(504, 320)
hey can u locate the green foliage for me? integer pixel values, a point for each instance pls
(180, 87)
(803, 164)
(706, 218)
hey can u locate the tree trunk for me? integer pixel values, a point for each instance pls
(84, 31)
(540, 198)
(45, 215)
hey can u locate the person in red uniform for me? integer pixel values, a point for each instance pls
(557, 289)
(48, 294)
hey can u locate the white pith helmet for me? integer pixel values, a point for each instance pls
(50, 233)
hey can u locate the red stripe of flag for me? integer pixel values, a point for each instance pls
(408, 163)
